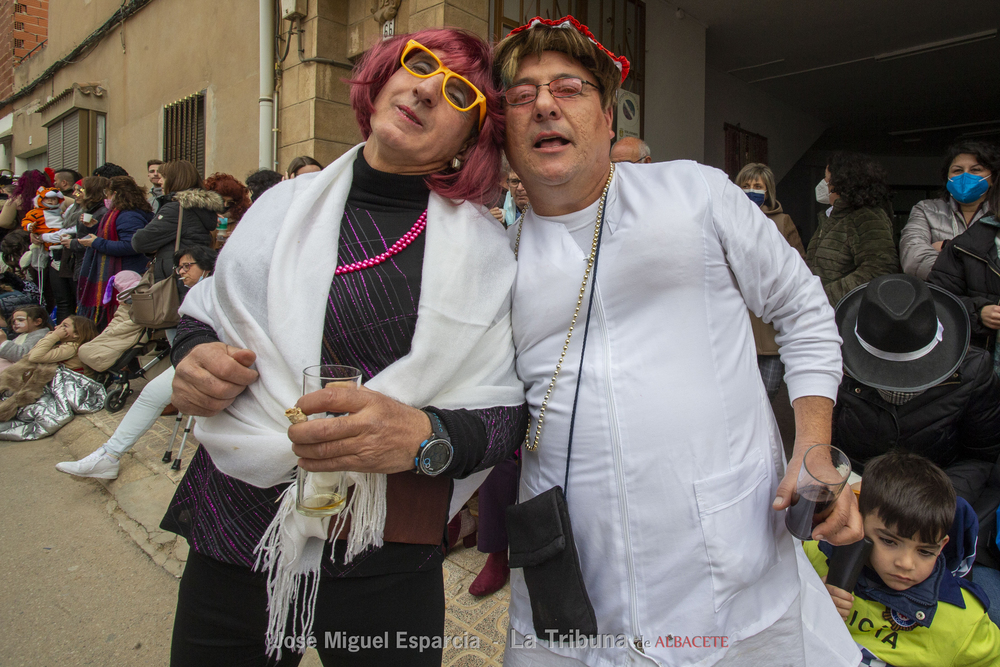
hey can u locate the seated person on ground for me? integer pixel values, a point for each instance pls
(910, 605)
(17, 285)
(30, 323)
(62, 344)
(24, 382)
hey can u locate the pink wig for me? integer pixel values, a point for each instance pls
(465, 53)
(27, 187)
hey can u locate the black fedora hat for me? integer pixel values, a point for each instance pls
(901, 334)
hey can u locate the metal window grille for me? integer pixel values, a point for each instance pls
(742, 148)
(184, 131)
(64, 143)
(18, 25)
(18, 43)
(20, 8)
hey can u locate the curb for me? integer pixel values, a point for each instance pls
(144, 487)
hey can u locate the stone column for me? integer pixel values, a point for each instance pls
(315, 117)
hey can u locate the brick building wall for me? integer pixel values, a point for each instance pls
(6, 48)
(31, 26)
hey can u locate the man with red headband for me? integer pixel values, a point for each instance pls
(632, 336)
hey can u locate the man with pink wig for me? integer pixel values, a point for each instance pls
(633, 341)
(385, 261)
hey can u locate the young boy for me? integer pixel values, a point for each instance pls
(908, 608)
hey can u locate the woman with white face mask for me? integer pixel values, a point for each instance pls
(854, 244)
(969, 174)
(192, 265)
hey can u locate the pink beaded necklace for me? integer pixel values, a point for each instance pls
(397, 247)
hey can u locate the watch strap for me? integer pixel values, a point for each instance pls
(438, 432)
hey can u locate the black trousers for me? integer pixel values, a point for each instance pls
(63, 290)
(221, 618)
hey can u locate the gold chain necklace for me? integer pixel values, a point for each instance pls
(529, 444)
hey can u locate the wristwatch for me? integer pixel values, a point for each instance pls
(436, 451)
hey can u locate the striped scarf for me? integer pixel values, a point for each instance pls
(94, 276)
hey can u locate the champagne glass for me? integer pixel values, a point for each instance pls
(324, 493)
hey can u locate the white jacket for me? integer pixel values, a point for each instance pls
(676, 456)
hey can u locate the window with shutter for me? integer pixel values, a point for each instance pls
(184, 131)
(64, 142)
(71, 142)
(56, 145)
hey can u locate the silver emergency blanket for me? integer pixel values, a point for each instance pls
(67, 395)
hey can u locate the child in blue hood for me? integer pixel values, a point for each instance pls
(911, 606)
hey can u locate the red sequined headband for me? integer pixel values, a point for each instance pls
(621, 62)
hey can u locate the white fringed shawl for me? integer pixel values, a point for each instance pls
(269, 294)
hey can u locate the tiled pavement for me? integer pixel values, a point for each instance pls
(141, 493)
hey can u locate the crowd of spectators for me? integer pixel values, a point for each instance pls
(64, 238)
(941, 402)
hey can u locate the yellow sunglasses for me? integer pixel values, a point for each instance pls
(421, 62)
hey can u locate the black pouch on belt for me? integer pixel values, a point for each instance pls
(541, 543)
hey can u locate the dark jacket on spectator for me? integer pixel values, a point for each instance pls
(157, 199)
(82, 229)
(127, 224)
(969, 268)
(850, 248)
(955, 420)
(201, 209)
(955, 424)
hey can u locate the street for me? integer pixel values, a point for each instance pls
(76, 589)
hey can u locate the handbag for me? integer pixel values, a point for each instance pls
(155, 302)
(540, 535)
(539, 530)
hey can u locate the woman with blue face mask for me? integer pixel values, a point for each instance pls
(969, 175)
(757, 181)
(969, 265)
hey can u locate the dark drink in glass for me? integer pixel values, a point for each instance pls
(821, 478)
(810, 507)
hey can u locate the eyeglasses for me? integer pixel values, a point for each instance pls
(419, 61)
(523, 93)
(514, 182)
(184, 267)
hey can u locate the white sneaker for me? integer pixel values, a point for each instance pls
(98, 464)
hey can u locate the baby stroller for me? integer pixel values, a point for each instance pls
(117, 353)
(153, 344)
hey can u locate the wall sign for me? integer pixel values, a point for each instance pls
(628, 114)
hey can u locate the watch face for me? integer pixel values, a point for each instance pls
(435, 456)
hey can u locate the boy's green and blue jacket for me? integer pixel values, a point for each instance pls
(940, 622)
